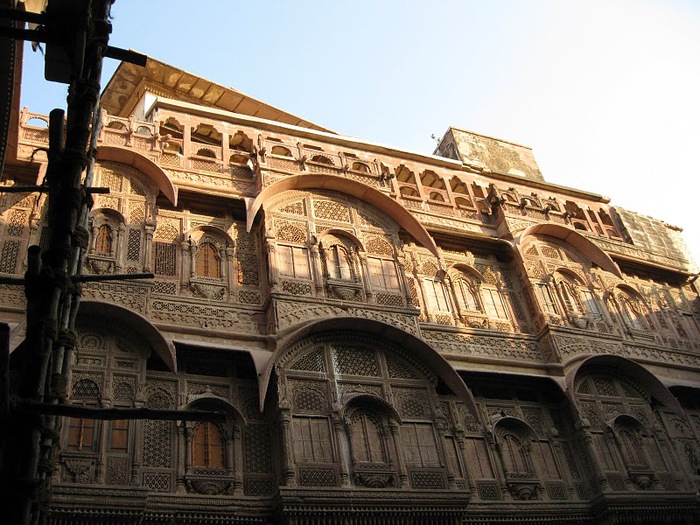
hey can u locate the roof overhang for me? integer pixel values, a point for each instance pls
(130, 82)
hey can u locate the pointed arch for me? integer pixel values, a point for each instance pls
(349, 187)
(212, 230)
(621, 365)
(575, 239)
(143, 164)
(354, 400)
(412, 345)
(107, 314)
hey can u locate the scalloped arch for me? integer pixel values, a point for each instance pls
(107, 314)
(350, 187)
(627, 367)
(141, 163)
(575, 239)
(409, 343)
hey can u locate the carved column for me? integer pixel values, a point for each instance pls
(230, 275)
(400, 465)
(461, 443)
(193, 262)
(225, 150)
(288, 467)
(364, 273)
(341, 432)
(456, 317)
(102, 429)
(271, 264)
(236, 454)
(148, 249)
(136, 450)
(316, 269)
(184, 444)
(130, 131)
(119, 248)
(499, 468)
(441, 427)
(187, 141)
(590, 455)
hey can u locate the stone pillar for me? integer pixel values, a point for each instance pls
(590, 455)
(316, 268)
(119, 247)
(235, 451)
(342, 433)
(185, 450)
(272, 275)
(400, 465)
(364, 274)
(148, 248)
(288, 467)
(229, 273)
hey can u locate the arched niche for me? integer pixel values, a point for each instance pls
(618, 365)
(410, 344)
(143, 164)
(349, 187)
(106, 314)
(573, 238)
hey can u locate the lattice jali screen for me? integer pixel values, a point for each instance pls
(157, 482)
(312, 362)
(259, 486)
(8, 256)
(317, 477)
(488, 490)
(258, 457)
(165, 258)
(427, 480)
(355, 361)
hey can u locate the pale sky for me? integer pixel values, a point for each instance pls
(605, 92)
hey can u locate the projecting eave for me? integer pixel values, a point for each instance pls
(130, 83)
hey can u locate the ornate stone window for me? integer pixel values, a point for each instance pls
(436, 295)
(281, 151)
(514, 443)
(207, 261)
(293, 261)
(83, 433)
(208, 446)
(546, 298)
(419, 445)
(103, 242)
(578, 301)
(129, 212)
(119, 436)
(214, 451)
(468, 294)
(340, 263)
(617, 413)
(367, 438)
(211, 259)
(107, 228)
(312, 440)
(382, 274)
(494, 304)
(632, 310)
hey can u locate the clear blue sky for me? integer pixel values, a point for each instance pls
(605, 91)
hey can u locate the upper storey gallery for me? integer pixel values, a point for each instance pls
(204, 179)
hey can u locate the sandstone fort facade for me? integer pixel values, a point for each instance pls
(395, 337)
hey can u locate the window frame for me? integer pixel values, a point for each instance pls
(388, 273)
(292, 260)
(206, 259)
